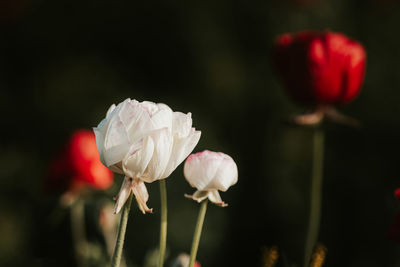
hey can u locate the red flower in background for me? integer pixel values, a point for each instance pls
(320, 69)
(78, 165)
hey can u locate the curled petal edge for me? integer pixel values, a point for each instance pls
(137, 187)
(212, 195)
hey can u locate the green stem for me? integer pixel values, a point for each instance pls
(163, 225)
(197, 232)
(116, 258)
(316, 194)
(78, 232)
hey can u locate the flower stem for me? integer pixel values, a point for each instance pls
(197, 232)
(163, 225)
(78, 232)
(116, 258)
(316, 194)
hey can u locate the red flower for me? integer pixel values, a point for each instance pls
(78, 165)
(320, 68)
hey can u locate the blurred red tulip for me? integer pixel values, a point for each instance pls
(320, 68)
(78, 165)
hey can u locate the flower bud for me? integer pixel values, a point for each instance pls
(320, 68)
(144, 141)
(79, 165)
(209, 172)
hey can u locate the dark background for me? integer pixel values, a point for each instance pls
(63, 63)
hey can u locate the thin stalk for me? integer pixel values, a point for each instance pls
(116, 258)
(197, 232)
(78, 232)
(316, 194)
(163, 225)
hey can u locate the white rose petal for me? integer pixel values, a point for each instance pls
(182, 124)
(180, 150)
(146, 142)
(162, 118)
(136, 161)
(163, 142)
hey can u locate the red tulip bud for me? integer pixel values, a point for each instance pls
(320, 68)
(79, 165)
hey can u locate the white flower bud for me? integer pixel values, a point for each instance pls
(209, 172)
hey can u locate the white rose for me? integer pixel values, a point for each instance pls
(144, 141)
(209, 172)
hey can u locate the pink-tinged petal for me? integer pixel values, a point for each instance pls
(150, 107)
(192, 170)
(138, 157)
(136, 120)
(210, 171)
(215, 198)
(100, 132)
(226, 176)
(123, 194)
(162, 118)
(141, 195)
(200, 169)
(116, 144)
(180, 150)
(181, 124)
(198, 196)
(163, 142)
(127, 125)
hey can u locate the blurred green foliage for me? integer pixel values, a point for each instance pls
(63, 63)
